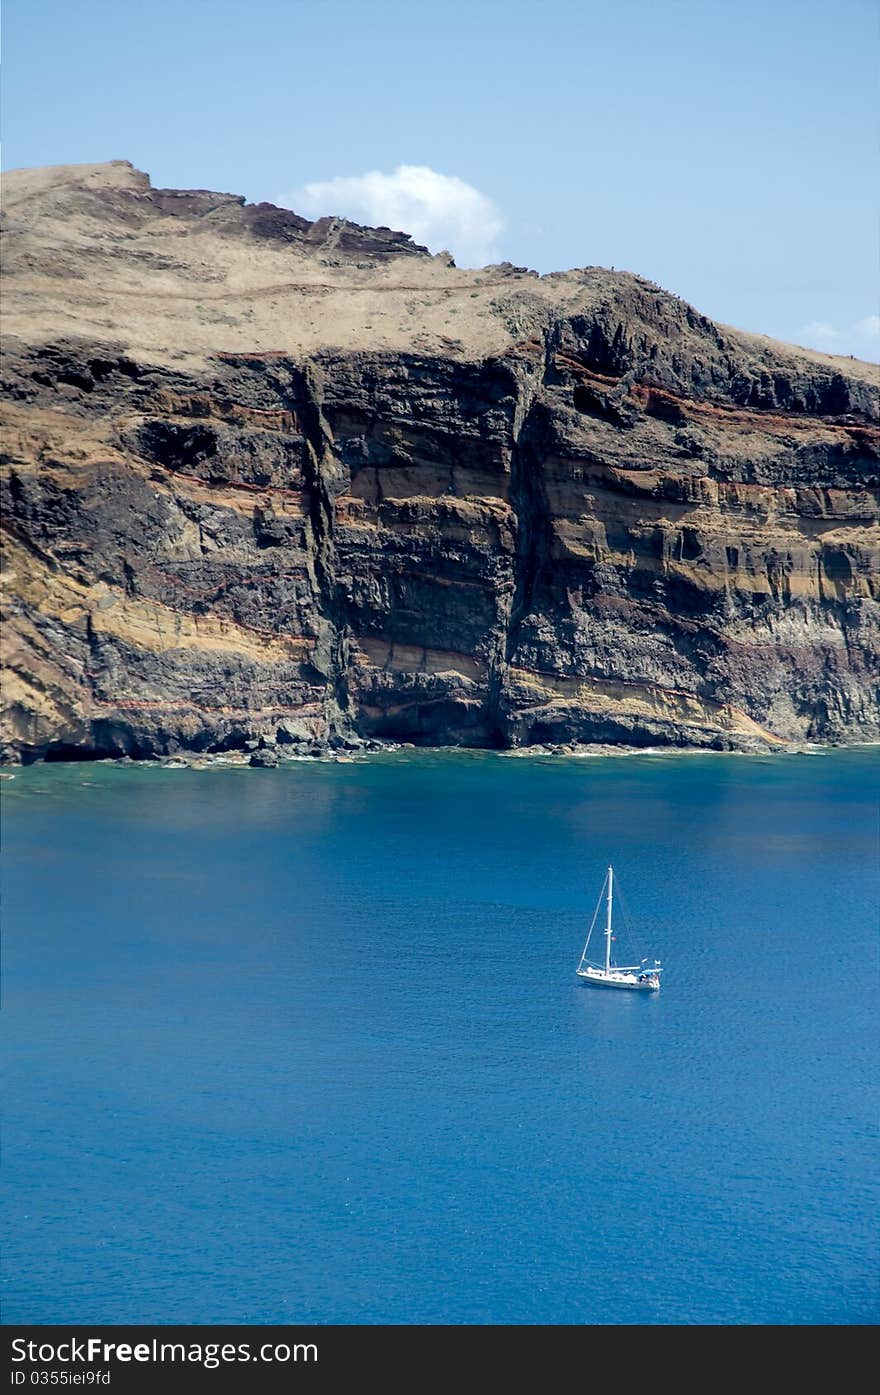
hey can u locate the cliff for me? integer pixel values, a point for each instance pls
(263, 475)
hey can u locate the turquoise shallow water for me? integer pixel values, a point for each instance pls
(307, 1044)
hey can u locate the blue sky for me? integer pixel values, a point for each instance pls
(729, 151)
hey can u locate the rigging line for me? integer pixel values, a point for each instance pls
(624, 909)
(636, 940)
(593, 921)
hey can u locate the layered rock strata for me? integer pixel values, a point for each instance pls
(305, 481)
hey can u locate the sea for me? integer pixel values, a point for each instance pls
(307, 1045)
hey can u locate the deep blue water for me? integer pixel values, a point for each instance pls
(307, 1045)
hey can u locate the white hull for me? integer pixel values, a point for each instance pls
(637, 978)
(599, 979)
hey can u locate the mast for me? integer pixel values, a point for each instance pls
(608, 921)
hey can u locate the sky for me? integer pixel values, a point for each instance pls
(727, 151)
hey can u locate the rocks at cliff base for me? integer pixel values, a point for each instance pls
(264, 759)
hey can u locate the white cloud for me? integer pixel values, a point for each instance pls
(820, 330)
(439, 210)
(859, 339)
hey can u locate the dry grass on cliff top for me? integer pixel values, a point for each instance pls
(90, 253)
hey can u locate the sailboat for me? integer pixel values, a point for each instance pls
(608, 974)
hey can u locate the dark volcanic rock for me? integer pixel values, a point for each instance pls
(264, 759)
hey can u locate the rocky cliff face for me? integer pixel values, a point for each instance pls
(269, 476)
